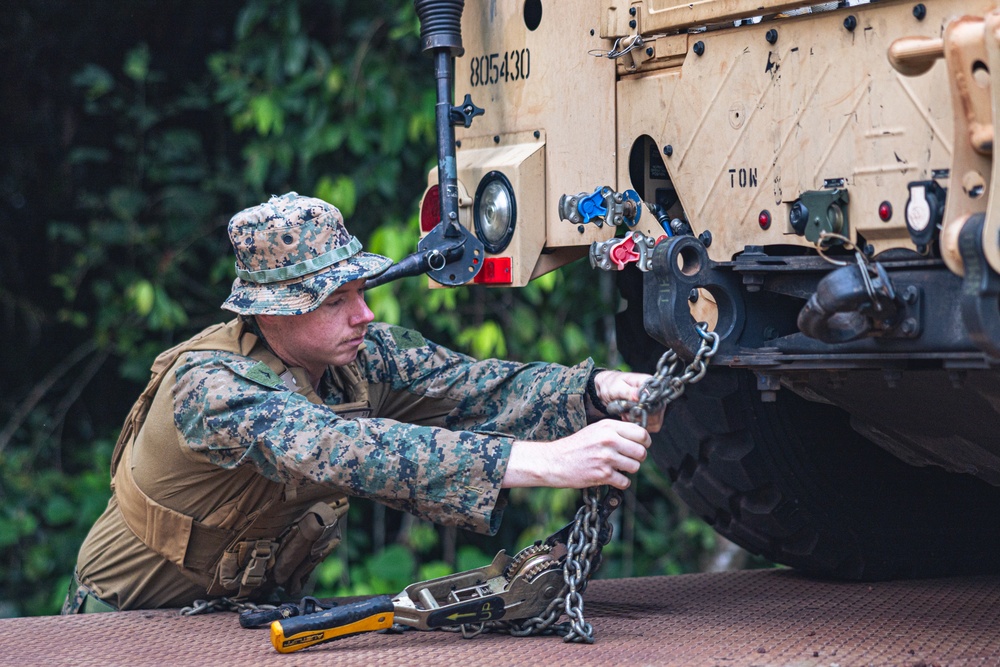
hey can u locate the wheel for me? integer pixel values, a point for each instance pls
(792, 482)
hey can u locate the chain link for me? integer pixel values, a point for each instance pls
(222, 604)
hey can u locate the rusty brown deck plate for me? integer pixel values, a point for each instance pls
(763, 617)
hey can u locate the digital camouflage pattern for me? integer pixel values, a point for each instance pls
(75, 598)
(81, 600)
(291, 253)
(436, 444)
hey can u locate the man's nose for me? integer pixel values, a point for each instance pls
(363, 314)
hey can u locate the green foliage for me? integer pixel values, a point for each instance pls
(43, 506)
(143, 218)
(330, 98)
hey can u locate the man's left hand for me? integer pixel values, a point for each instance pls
(618, 385)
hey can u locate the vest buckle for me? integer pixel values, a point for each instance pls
(260, 557)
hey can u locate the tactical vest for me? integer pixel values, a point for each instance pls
(236, 533)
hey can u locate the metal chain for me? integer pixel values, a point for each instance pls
(222, 604)
(666, 385)
(582, 558)
(583, 551)
(584, 545)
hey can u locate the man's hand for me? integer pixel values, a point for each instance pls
(601, 453)
(617, 385)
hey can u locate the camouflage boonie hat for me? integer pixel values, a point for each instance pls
(291, 254)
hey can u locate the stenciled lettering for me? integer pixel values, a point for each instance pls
(743, 177)
(504, 67)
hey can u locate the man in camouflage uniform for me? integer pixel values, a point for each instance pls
(235, 465)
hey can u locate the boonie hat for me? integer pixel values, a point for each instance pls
(291, 254)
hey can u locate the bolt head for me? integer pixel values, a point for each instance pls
(699, 48)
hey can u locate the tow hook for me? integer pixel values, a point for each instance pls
(857, 301)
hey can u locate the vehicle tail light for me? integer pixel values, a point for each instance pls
(495, 271)
(430, 209)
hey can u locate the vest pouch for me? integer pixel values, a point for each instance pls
(243, 568)
(309, 541)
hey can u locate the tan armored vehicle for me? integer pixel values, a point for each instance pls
(814, 181)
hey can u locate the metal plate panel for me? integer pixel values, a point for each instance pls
(762, 617)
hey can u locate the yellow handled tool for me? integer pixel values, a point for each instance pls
(506, 593)
(298, 632)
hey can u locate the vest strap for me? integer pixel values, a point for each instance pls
(175, 536)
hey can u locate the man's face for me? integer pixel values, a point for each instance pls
(330, 335)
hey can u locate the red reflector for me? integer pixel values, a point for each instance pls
(764, 219)
(885, 211)
(430, 209)
(495, 271)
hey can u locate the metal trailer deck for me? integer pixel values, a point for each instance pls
(758, 617)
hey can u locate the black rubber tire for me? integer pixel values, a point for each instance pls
(792, 482)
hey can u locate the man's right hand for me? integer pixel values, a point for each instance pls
(602, 453)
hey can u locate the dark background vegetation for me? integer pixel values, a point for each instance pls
(130, 131)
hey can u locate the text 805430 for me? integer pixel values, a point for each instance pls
(497, 67)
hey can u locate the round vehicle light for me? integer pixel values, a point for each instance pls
(885, 211)
(764, 219)
(495, 212)
(430, 209)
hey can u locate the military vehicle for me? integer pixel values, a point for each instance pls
(813, 181)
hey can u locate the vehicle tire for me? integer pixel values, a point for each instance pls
(791, 481)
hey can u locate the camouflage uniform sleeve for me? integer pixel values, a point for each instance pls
(226, 412)
(429, 384)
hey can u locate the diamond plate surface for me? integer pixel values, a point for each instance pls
(748, 618)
